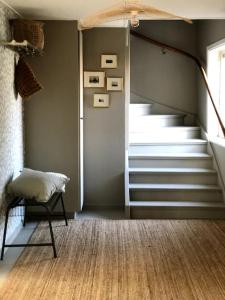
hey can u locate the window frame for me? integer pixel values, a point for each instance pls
(212, 122)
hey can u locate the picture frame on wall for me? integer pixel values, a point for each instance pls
(115, 84)
(108, 61)
(101, 100)
(94, 79)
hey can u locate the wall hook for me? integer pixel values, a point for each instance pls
(163, 51)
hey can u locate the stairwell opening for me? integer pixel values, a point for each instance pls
(171, 173)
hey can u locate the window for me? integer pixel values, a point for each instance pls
(216, 75)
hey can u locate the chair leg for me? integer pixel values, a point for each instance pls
(25, 214)
(52, 238)
(4, 234)
(63, 208)
(51, 231)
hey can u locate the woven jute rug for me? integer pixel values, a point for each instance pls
(127, 259)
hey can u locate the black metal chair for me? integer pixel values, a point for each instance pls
(48, 206)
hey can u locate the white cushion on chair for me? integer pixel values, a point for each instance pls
(38, 185)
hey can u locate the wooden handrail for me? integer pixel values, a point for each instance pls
(195, 59)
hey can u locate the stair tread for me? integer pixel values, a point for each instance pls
(172, 186)
(170, 155)
(163, 116)
(176, 128)
(172, 170)
(141, 104)
(160, 141)
(177, 204)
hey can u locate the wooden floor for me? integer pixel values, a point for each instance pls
(127, 259)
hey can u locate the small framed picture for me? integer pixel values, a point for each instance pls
(101, 100)
(94, 79)
(114, 84)
(109, 61)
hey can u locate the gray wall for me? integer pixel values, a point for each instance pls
(11, 125)
(104, 129)
(169, 79)
(209, 32)
(51, 115)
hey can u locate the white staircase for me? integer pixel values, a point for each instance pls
(171, 174)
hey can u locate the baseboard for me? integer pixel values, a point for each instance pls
(147, 213)
(102, 207)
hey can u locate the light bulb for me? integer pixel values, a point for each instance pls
(134, 21)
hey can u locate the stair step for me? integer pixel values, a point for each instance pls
(178, 204)
(168, 145)
(139, 109)
(169, 141)
(155, 121)
(169, 160)
(173, 175)
(169, 116)
(171, 170)
(193, 155)
(177, 210)
(173, 187)
(145, 134)
(174, 192)
(178, 128)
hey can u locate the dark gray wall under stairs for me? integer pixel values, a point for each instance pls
(104, 128)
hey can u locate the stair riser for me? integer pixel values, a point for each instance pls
(175, 195)
(176, 213)
(139, 110)
(149, 123)
(148, 149)
(145, 135)
(191, 178)
(170, 163)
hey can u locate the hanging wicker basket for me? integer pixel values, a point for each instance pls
(25, 81)
(29, 30)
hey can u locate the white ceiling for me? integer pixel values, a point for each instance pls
(77, 9)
